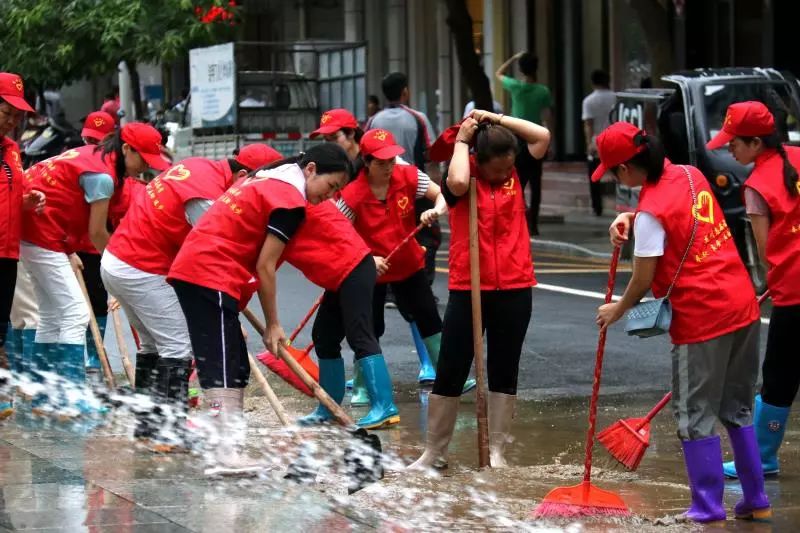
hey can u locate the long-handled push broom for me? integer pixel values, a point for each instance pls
(586, 499)
(627, 440)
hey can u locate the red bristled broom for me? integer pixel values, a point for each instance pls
(586, 499)
(627, 440)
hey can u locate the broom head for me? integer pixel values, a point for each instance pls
(583, 499)
(627, 441)
(279, 367)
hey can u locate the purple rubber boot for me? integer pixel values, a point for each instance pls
(703, 459)
(754, 505)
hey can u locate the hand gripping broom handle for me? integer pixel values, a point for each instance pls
(317, 303)
(598, 368)
(667, 397)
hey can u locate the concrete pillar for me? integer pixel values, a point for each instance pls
(353, 20)
(376, 36)
(488, 38)
(518, 25)
(446, 112)
(397, 36)
(125, 95)
(568, 107)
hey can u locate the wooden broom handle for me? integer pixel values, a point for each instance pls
(123, 349)
(477, 327)
(272, 398)
(98, 339)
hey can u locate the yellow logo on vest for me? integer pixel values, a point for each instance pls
(178, 173)
(703, 210)
(402, 203)
(69, 154)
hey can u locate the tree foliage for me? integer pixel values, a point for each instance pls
(54, 42)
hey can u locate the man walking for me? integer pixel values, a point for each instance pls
(596, 108)
(530, 101)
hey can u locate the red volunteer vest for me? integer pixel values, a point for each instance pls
(65, 220)
(11, 188)
(117, 209)
(155, 227)
(783, 239)
(503, 238)
(384, 225)
(713, 294)
(326, 247)
(221, 252)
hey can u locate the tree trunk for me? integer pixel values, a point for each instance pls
(136, 93)
(460, 23)
(654, 17)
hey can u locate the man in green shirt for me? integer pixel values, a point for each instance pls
(529, 101)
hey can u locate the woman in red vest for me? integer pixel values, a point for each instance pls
(380, 203)
(329, 252)
(135, 265)
(685, 251)
(244, 232)
(772, 196)
(79, 185)
(506, 276)
(341, 127)
(14, 197)
(97, 126)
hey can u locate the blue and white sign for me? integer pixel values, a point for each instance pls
(212, 74)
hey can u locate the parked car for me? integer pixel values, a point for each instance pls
(688, 114)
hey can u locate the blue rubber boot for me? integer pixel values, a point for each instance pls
(44, 358)
(76, 400)
(28, 340)
(14, 348)
(92, 358)
(359, 396)
(427, 372)
(331, 379)
(770, 425)
(703, 458)
(434, 345)
(382, 412)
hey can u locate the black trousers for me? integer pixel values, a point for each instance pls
(8, 282)
(94, 284)
(414, 299)
(529, 169)
(347, 313)
(506, 315)
(595, 189)
(781, 368)
(220, 350)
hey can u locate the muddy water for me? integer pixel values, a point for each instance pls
(547, 452)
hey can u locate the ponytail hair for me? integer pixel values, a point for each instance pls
(650, 159)
(112, 144)
(329, 158)
(493, 140)
(790, 176)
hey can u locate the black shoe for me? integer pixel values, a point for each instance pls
(171, 393)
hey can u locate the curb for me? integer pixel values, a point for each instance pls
(560, 247)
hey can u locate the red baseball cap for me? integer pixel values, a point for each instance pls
(615, 145)
(257, 155)
(97, 125)
(380, 144)
(743, 119)
(334, 120)
(13, 91)
(146, 140)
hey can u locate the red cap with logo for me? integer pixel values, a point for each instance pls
(97, 125)
(615, 145)
(334, 120)
(13, 91)
(257, 155)
(146, 140)
(380, 144)
(743, 119)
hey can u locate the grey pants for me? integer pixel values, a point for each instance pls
(152, 308)
(715, 380)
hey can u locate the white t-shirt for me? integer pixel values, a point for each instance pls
(650, 239)
(596, 107)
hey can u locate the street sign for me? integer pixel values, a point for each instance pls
(212, 74)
